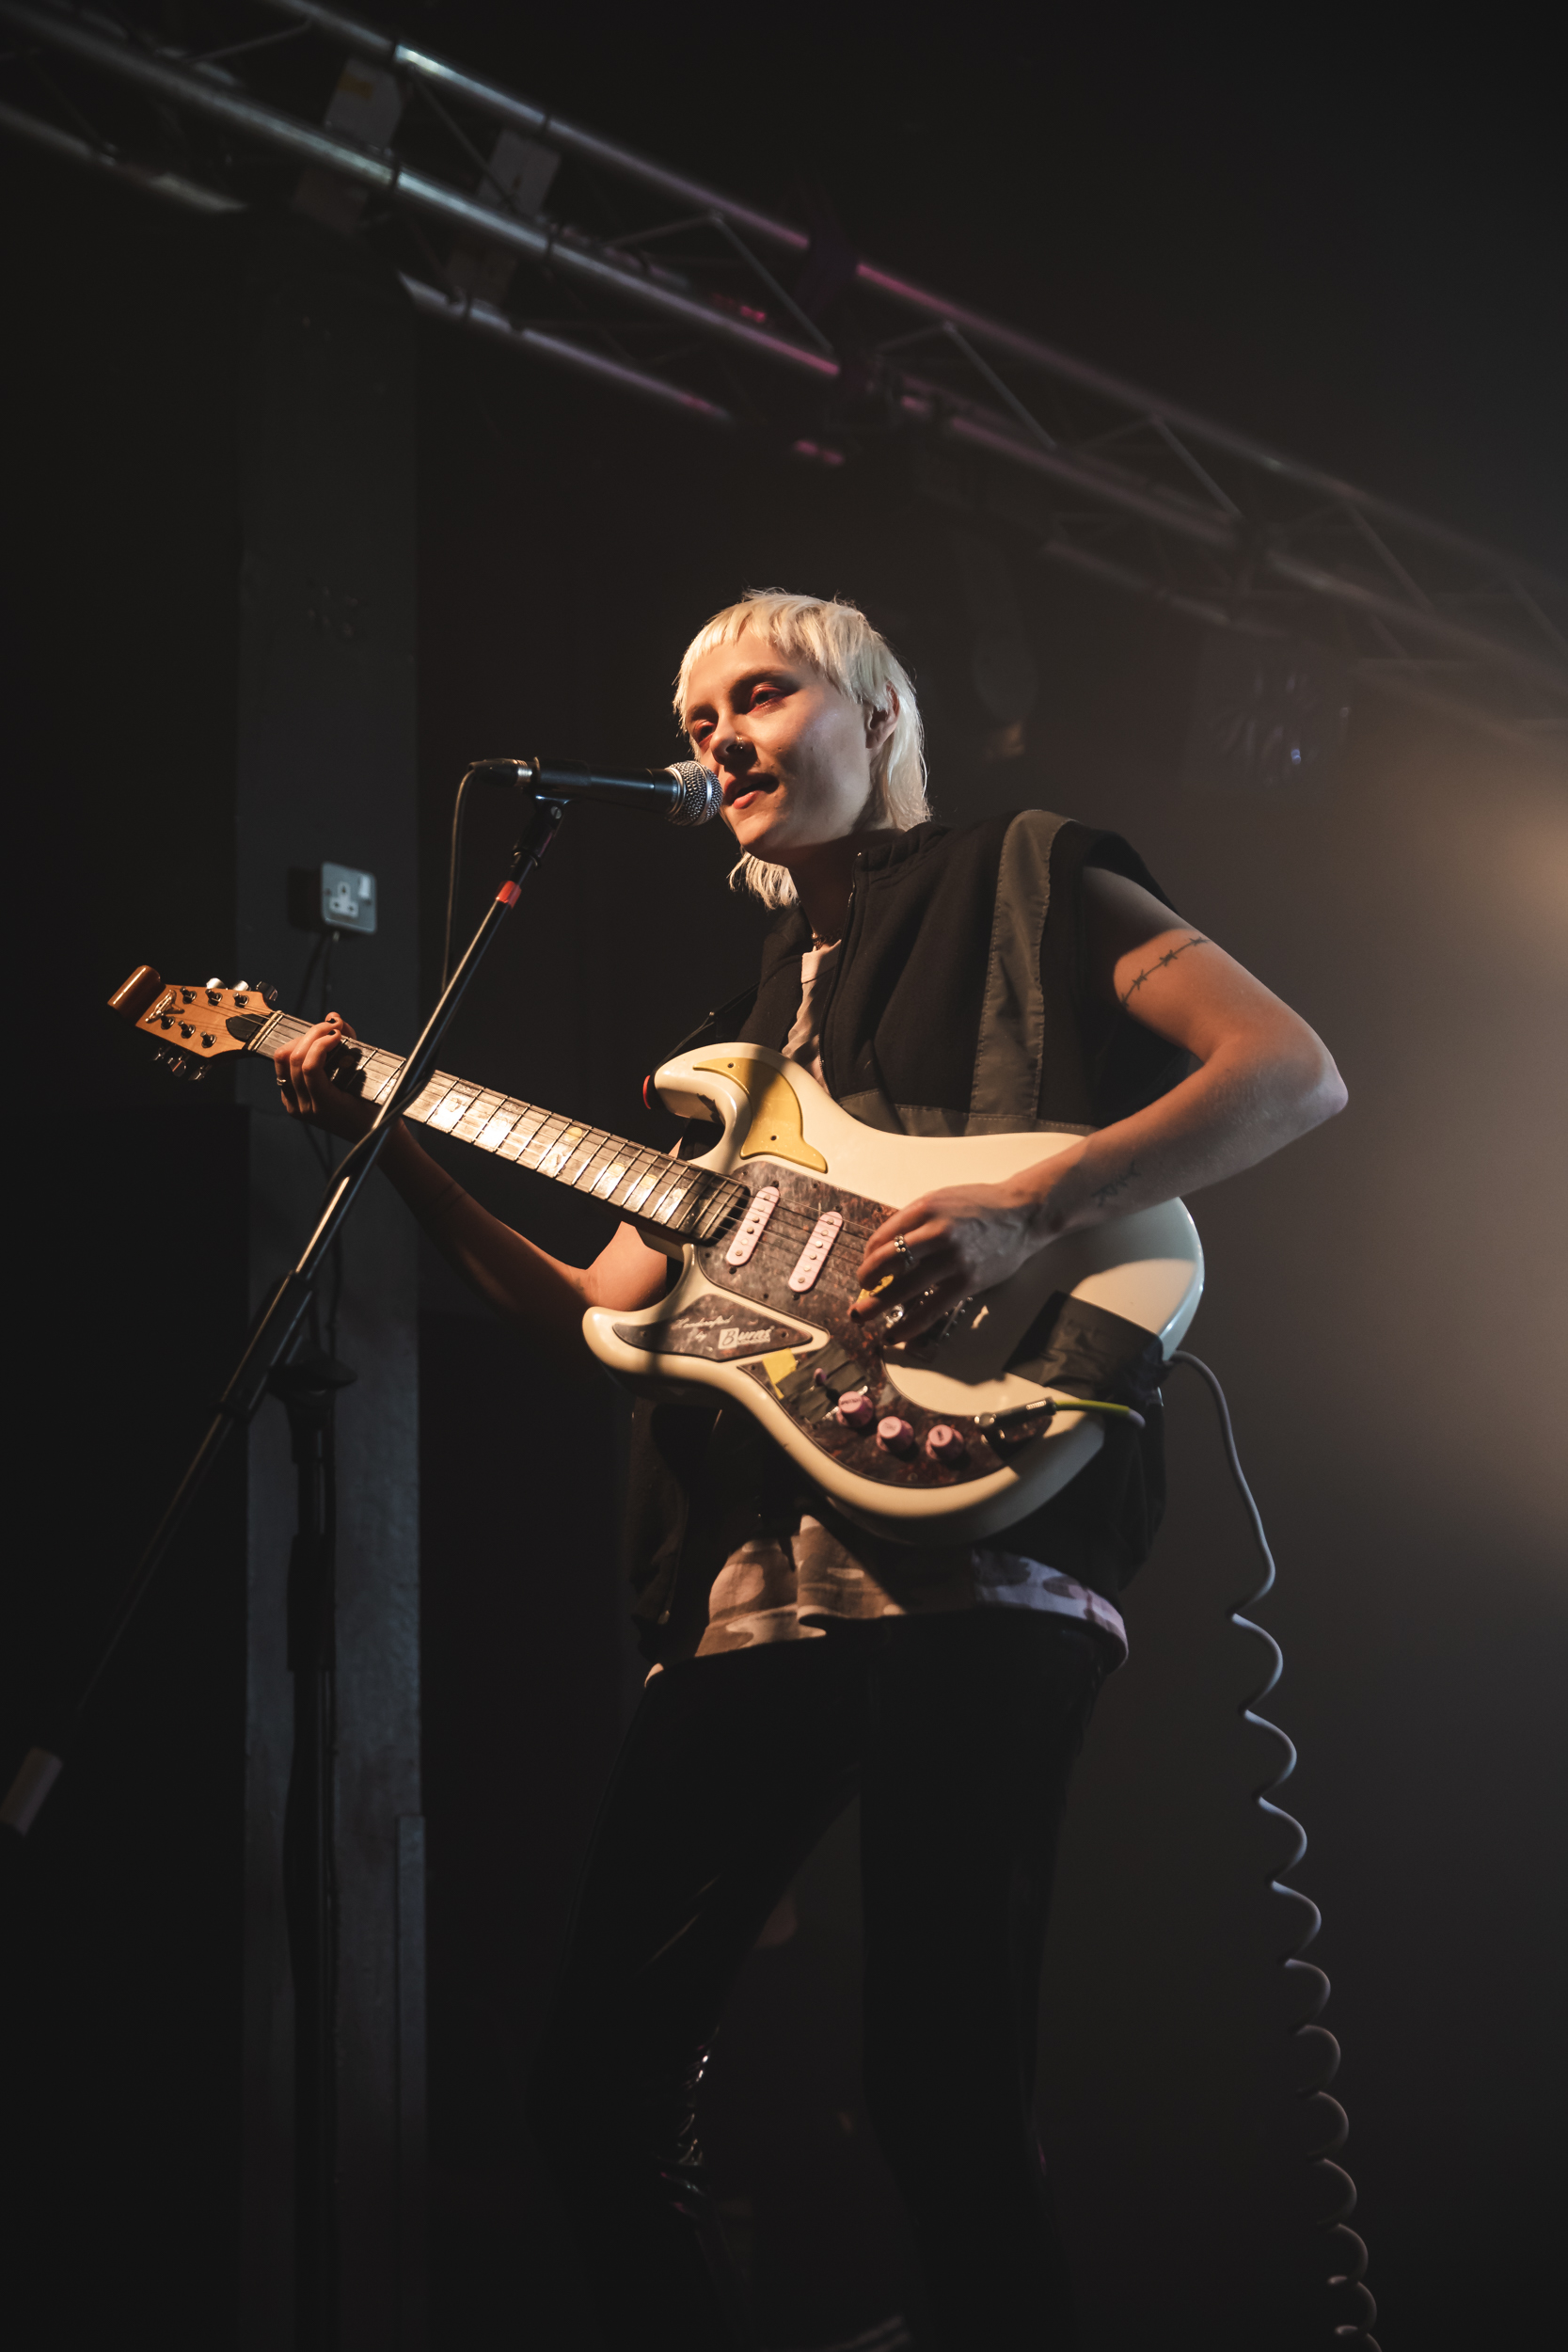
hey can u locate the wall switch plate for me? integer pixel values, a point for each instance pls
(347, 900)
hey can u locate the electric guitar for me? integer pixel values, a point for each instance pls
(951, 1437)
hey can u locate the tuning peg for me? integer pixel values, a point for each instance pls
(215, 983)
(239, 985)
(268, 997)
(177, 1064)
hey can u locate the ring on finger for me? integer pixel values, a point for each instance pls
(900, 1242)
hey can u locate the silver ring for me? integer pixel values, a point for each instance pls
(285, 1084)
(893, 1317)
(901, 1244)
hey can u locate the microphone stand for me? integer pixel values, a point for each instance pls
(306, 1385)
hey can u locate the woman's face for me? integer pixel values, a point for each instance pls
(791, 752)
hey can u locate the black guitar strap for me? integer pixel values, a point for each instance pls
(731, 1013)
(1090, 1352)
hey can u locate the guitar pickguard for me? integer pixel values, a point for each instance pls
(803, 1374)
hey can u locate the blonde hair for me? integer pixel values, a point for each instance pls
(840, 643)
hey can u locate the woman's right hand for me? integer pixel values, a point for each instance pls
(306, 1087)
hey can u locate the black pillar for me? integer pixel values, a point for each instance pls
(326, 770)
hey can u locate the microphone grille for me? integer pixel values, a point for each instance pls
(701, 797)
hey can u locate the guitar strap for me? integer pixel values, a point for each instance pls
(732, 1013)
(1088, 1350)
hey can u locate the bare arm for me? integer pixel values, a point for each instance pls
(1263, 1078)
(542, 1295)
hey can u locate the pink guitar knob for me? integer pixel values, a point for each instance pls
(943, 1443)
(895, 1435)
(856, 1409)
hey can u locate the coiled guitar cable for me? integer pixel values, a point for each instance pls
(1351, 2310)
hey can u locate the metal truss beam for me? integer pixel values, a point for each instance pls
(1097, 474)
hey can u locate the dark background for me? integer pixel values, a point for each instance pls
(1354, 252)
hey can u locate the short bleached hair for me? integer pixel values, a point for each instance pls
(840, 643)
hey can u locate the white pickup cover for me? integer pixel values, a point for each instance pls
(763, 1205)
(823, 1235)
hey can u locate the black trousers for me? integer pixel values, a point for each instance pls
(960, 1732)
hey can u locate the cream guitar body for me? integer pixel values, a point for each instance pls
(756, 1333)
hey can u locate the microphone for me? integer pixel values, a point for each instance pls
(686, 792)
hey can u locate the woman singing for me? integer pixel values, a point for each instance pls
(1022, 974)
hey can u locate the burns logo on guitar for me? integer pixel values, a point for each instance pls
(953, 1436)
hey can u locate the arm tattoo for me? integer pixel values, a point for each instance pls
(1159, 965)
(1107, 1192)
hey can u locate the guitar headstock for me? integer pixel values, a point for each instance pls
(192, 1025)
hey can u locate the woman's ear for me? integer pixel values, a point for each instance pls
(880, 723)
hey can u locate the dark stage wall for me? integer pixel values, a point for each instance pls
(1376, 1308)
(210, 592)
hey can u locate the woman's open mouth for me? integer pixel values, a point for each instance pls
(742, 794)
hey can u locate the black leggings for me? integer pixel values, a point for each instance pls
(960, 1732)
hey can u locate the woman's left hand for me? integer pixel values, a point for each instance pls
(964, 1239)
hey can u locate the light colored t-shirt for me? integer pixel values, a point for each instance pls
(790, 1584)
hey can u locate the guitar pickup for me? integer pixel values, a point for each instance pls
(809, 1265)
(752, 1225)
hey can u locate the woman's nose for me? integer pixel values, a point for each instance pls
(734, 753)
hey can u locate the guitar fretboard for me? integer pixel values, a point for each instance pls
(687, 1202)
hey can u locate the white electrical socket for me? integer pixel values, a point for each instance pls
(347, 899)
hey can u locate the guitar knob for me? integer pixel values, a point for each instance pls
(215, 983)
(893, 1435)
(943, 1443)
(856, 1409)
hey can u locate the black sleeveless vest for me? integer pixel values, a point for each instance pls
(959, 1005)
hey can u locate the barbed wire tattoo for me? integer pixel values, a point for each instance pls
(1159, 965)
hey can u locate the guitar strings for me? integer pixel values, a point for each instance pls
(784, 1220)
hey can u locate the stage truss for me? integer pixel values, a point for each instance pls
(510, 221)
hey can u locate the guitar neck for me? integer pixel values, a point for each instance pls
(667, 1195)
